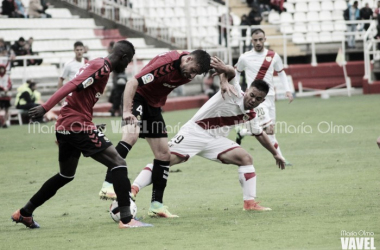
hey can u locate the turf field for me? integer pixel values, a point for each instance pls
(334, 185)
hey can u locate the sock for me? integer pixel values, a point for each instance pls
(28, 209)
(123, 149)
(272, 138)
(122, 187)
(144, 178)
(125, 214)
(109, 176)
(247, 178)
(48, 190)
(160, 175)
(244, 132)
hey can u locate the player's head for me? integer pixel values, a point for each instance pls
(122, 54)
(21, 41)
(32, 84)
(78, 50)
(255, 94)
(258, 39)
(3, 70)
(195, 63)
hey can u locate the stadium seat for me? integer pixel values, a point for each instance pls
(314, 27)
(338, 36)
(298, 38)
(327, 26)
(325, 37)
(312, 16)
(325, 15)
(314, 6)
(274, 17)
(286, 28)
(337, 15)
(312, 37)
(300, 28)
(299, 17)
(59, 13)
(301, 7)
(286, 17)
(289, 7)
(340, 5)
(328, 5)
(340, 26)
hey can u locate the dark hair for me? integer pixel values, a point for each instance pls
(258, 30)
(21, 39)
(202, 59)
(31, 83)
(124, 43)
(261, 85)
(77, 44)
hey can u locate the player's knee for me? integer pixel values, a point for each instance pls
(163, 155)
(246, 160)
(269, 130)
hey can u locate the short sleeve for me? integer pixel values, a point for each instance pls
(278, 66)
(254, 126)
(65, 73)
(240, 65)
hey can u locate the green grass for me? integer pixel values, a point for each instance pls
(334, 185)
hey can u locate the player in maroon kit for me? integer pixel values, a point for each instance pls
(144, 95)
(76, 134)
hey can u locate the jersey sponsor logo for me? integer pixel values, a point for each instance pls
(169, 86)
(147, 78)
(98, 95)
(64, 132)
(88, 82)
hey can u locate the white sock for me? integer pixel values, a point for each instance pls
(272, 138)
(144, 178)
(244, 132)
(247, 178)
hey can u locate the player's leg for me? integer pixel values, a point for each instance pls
(118, 168)
(228, 152)
(68, 162)
(145, 176)
(378, 142)
(130, 134)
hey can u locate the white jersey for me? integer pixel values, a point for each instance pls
(217, 116)
(260, 65)
(71, 68)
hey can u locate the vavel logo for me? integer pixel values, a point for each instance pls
(357, 240)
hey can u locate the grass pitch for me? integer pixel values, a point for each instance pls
(334, 185)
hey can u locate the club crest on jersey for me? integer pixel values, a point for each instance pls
(88, 82)
(98, 95)
(245, 117)
(147, 78)
(268, 58)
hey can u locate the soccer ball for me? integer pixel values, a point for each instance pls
(115, 213)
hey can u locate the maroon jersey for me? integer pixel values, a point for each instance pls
(160, 76)
(87, 86)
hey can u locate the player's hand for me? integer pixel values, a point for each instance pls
(36, 112)
(101, 127)
(218, 65)
(280, 161)
(289, 95)
(227, 88)
(129, 118)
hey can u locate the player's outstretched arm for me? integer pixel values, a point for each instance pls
(264, 140)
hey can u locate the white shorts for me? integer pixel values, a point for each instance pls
(266, 112)
(193, 140)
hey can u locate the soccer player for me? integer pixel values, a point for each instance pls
(76, 134)
(260, 63)
(144, 95)
(378, 142)
(205, 135)
(71, 67)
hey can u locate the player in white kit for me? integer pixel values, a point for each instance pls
(260, 63)
(71, 67)
(205, 135)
